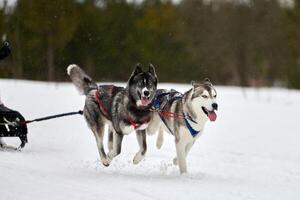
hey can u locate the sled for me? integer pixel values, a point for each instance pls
(13, 124)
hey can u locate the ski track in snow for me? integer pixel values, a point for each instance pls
(251, 152)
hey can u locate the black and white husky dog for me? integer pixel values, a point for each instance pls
(125, 110)
(184, 116)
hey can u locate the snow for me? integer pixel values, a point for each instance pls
(252, 151)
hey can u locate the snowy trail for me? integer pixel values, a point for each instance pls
(251, 152)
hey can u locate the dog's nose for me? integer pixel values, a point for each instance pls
(146, 93)
(215, 106)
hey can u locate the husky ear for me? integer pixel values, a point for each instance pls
(138, 69)
(152, 70)
(195, 84)
(206, 80)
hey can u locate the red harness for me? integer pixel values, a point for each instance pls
(103, 110)
(136, 125)
(171, 114)
(101, 107)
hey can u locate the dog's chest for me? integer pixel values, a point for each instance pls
(127, 129)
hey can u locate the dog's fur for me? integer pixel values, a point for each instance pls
(198, 102)
(134, 101)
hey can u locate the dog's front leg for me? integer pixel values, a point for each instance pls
(181, 157)
(141, 138)
(117, 144)
(160, 138)
(188, 148)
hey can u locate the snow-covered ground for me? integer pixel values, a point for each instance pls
(252, 151)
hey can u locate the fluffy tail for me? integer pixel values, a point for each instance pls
(81, 80)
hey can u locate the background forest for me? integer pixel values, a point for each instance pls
(249, 43)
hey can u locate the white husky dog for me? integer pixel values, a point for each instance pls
(184, 116)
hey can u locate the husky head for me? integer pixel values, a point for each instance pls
(203, 99)
(142, 85)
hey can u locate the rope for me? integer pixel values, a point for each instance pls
(80, 112)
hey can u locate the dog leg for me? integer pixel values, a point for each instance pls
(110, 144)
(98, 132)
(160, 138)
(110, 138)
(187, 150)
(181, 157)
(117, 144)
(141, 138)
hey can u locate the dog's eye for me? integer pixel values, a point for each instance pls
(205, 96)
(215, 96)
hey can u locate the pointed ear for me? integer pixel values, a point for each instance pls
(138, 69)
(195, 84)
(152, 70)
(207, 81)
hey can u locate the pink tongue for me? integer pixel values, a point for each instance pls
(212, 116)
(145, 101)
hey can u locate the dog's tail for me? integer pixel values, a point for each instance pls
(81, 80)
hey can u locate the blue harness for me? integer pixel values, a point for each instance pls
(167, 97)
(193, 132)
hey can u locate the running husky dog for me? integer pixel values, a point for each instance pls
(184, 116)
(124, 109)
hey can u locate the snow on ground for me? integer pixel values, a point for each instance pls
(251, 152)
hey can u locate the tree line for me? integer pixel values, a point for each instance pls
(249, 44)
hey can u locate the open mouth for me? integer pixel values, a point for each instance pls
(212, 116)
(145, 101)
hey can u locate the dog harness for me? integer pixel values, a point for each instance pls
(100, 104)
(193, 132)
(135, 124)
(110, 88)
(165, 98)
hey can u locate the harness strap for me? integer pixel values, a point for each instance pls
(137, 125)
(101, 107)
(193, 132)
(103, 110)
(157, 104)
(171, 115)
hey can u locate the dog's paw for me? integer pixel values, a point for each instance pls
(109, 158)
(175, 161)
(105, 162)
(137, 158)
(184, 174)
